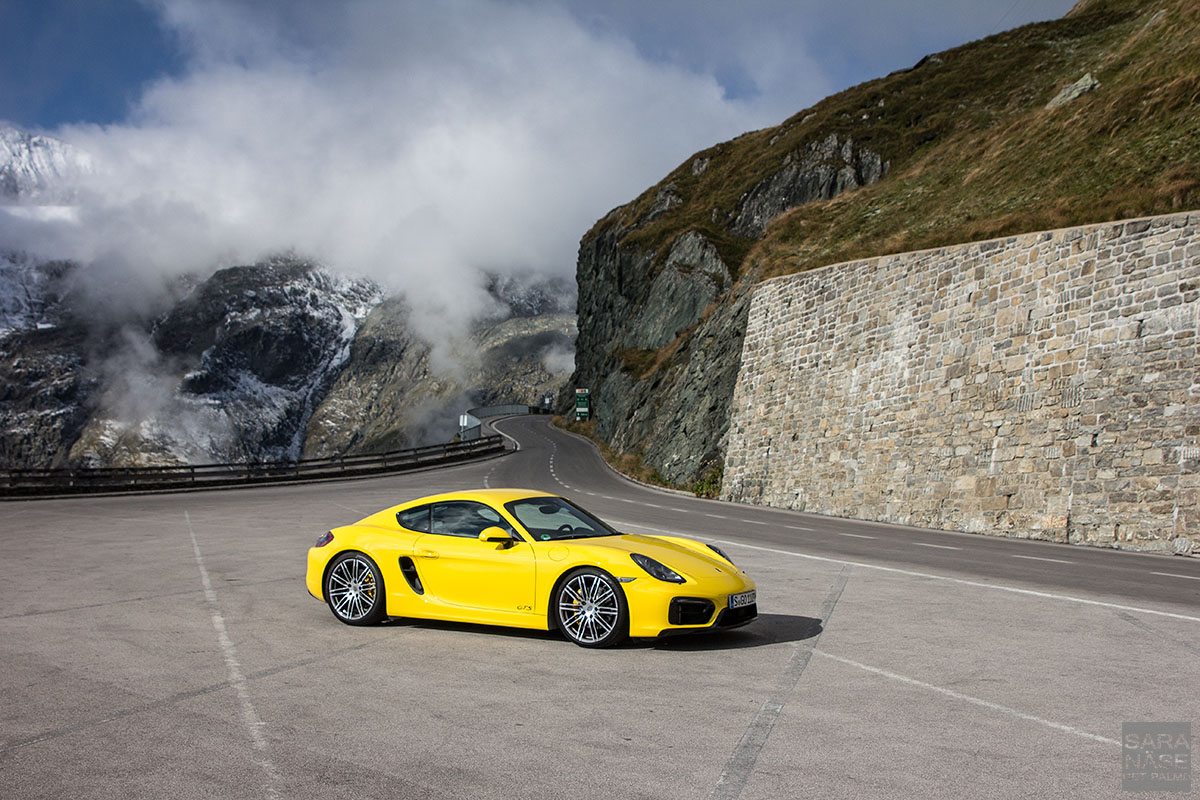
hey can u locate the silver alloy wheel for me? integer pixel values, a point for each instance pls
(588, 608)
(352, 591)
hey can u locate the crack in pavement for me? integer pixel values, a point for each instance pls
(741, 763)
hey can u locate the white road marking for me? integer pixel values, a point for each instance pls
(1012, 712)
(962, 582)
(802, 528)
(717, 516)
(938, 546)
(1038, 558)
(858, 535)
(233, 668)
(1176, 575)
(754, 522)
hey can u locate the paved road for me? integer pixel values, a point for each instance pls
(573, 467)
(164, 646)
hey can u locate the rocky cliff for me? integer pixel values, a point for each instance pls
(982, 140)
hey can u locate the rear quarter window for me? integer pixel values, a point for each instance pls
(415, 519)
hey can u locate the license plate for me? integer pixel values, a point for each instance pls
(742, 600)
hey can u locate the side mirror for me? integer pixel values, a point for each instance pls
(496, 535)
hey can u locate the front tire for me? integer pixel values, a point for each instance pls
(354, 589)
(590, 609)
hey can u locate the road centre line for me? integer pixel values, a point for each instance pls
(1177, 575)
(802, 528)
(1039, 558)
(938, 546)
(858, 535)
(717, 516)
(1012, 712)
(960, 581)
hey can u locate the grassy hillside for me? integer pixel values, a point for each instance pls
(974, 150)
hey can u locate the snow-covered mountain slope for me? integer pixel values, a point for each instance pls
(232, 372)
(38, 170)
(29, 291)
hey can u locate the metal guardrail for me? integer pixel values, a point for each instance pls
(34, 482)
(473, 418)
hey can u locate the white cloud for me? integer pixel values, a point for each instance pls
(417, 143)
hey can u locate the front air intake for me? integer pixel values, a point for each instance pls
(690, 611)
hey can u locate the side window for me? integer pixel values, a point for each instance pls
(415, 519)
(466, 519)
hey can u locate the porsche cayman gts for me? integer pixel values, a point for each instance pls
(525, 559)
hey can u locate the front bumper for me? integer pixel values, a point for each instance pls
(660, 609)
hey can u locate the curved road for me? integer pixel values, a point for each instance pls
(559, 462)
(164, 645)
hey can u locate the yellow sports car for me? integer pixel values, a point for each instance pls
(525, 559)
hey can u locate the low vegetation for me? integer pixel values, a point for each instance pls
(973, 150)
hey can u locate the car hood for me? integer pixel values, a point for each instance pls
(685, 560)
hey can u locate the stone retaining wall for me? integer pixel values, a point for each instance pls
(1044, 385)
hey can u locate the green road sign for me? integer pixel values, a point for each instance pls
(583, 404)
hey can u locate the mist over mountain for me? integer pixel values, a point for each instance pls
(256, 362)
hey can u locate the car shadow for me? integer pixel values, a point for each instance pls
(470, 627)
(766, 629)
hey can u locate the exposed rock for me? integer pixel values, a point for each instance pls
(231, 373)
(1073, 92)
(820, 171)
(667, 199)
(389, 396)
(523, 359)
(692, 278)
(678, 415)
(46, 394)
(30, 291)
(660, 335)
(384, 395)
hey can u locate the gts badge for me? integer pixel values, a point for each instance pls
(524, 608)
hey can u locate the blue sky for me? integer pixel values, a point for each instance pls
(68, 61)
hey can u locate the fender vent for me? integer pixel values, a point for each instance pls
(409, 570)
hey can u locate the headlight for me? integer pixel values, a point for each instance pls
(324, 540)
(656, 569)
(721, 553)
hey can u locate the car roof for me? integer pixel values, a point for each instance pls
(490, 496)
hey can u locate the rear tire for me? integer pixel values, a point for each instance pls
(354, 589)
(590, 609)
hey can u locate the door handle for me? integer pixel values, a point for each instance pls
(427, 554)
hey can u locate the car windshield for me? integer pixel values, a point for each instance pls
(552, 518)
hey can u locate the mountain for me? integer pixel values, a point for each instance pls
(1088, 118)
(38, 170)
(259, 362)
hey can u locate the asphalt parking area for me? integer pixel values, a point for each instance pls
(132, 678)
